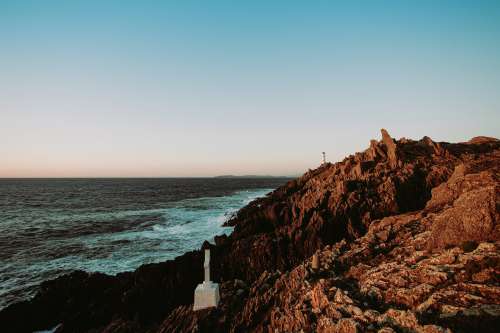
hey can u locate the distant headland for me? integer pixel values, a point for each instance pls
(252, 176)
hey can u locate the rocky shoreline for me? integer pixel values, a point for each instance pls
(407, 234)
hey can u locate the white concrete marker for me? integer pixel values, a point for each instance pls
(206, 294)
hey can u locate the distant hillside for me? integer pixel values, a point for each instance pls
(251, 176)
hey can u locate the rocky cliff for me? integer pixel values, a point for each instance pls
(405, 237)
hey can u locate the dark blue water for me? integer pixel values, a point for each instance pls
(49, 227)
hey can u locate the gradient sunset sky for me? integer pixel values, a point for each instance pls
(202, 88)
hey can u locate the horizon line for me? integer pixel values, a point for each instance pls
(150, 177)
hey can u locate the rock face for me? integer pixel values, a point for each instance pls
(405, 236)
(391, 148)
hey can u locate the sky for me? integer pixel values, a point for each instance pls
(202, 88)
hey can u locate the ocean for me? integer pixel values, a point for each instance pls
(49, 227)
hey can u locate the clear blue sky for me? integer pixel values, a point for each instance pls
(194, 88)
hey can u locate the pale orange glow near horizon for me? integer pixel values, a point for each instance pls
(129, 167)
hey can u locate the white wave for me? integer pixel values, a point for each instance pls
(188, 223)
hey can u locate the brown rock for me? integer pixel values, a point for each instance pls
(391, 148)
(473, 216)
(315, 262)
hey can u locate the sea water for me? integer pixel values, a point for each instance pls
(50, 227)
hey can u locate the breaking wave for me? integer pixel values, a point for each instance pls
(42, 243)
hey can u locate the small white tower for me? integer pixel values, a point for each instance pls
(206, 294)
(324, 157)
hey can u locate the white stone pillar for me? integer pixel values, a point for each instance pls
(206, 294)
(206, 265)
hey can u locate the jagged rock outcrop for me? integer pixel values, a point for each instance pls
(410, 272)
(391, 148)
(406, 233)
